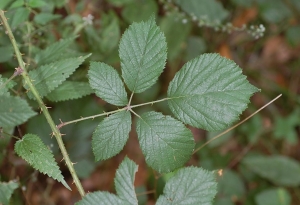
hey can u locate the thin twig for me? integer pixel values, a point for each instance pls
(238, 124)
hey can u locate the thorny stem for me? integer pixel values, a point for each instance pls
(128, 107)
(238, 124)
(50, 121)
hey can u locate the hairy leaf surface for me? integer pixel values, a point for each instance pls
(107, 83)
(53, 52)
(111, 135)
(14, 111)
(166, 143)
(69, 90)
(191, 185)
(143, 53)
(46, 78)
(124, 181)
(35, 152)
(209, 92)
(105, 198)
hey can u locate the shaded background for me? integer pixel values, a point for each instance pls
(259, 159)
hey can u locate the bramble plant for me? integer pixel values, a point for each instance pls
(208, 92)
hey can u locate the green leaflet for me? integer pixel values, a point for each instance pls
(6, 191)
(277, 196)
(209, 92)
(107, 84)
(105, 198)
(69, 90)
(166, 143)
(111, 135)
(124, 181)
(124, 186)
(280, 170)
(35, 152)
(14, 111)
(143, 54)
(53, 52)
(47, 77)
(208, 10)
(191, 185)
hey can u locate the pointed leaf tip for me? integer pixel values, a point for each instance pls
(143, 54)
(107, 83)
(124, 181)
(35, 152)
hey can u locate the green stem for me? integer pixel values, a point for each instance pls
(90, 117)
(55, 130)
(112, 112)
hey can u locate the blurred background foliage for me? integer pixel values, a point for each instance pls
(258, 162)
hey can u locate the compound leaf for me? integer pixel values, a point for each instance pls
(111, 135)
(107, 84)
(105, 198)
(143, 53)
(53, 52)
(14, 111)
(46, 78)
(280, 170)
(124, 181)
(35, 152)
(6, 191)
(190, 185)
(166, 143)
(209, 92)
(69, 90)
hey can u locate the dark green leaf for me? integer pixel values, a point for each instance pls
(176, 31)
(166, 143)
(69, 90)
(277, 196)
(6, 191)
(35, 152)
(104, 197)
(209, 92)
(191, 185)
(143, 53)
(53, 52)
(46, 78)
(18, 16)
(111, 135)
(209, 10)
(107, 84)
(124, 181)
(44, 18)
(138, 10)
(14, 111)
(280, 170)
